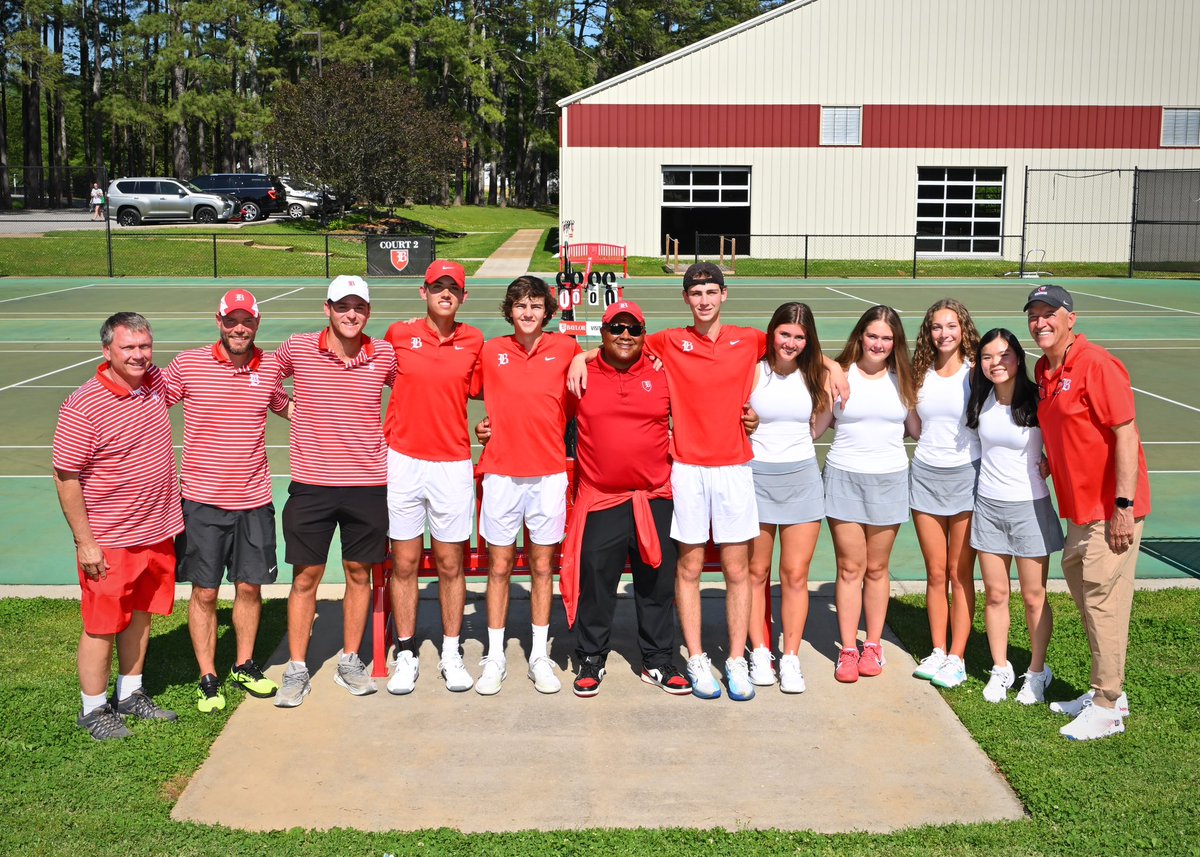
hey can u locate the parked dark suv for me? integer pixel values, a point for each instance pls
(260, 194)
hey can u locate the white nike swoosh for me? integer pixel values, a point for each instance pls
(735, 342)
(458, 348)
(548, 359)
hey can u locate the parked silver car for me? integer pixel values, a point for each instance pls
(139, 198)
(305, 200)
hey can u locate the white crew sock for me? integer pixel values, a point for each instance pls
(449, 646)
(496, 643)
(537, 648)
(126, 685)
(91, 703)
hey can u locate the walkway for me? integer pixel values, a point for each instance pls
(511, 258)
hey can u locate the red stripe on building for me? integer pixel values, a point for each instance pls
(885, 126)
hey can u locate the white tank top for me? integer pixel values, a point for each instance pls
(1008, 469)
(784, 407)
(870, 430)
(942, 406)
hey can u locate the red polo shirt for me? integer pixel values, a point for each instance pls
(119, 442)
(710, 381)
(225, 424)
(1080, 404)
(527, 401)
(427, 415)
(337, 438)
(624, 428)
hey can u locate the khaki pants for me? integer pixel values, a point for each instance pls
(1101, 582)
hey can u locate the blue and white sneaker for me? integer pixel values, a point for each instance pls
(699, 670)
(737, 679)
(951, 674)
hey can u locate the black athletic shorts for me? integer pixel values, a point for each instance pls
(312, 512)
(216, 539)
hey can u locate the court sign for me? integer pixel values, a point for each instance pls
(400, 255)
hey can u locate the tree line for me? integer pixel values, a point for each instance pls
(93, 88)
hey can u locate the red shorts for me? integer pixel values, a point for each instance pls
(139, 578)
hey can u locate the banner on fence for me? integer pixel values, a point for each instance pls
(399, 255)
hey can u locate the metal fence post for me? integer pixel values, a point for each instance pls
(215, 274)
(806, 257)
(1133, 223)
(327, 255)
(1024, 223)
(696, 249)
(915, 237)
(108, 234)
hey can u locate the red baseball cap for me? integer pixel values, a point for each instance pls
(619, 307)
(236, 299)
(441, 268)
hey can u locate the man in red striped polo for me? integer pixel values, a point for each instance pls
(114, 468)
(226, 389)
(339, 477)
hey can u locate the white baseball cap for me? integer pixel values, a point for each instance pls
(345, 285)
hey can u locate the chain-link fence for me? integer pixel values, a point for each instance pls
(1166, 233)
(36, 186)
(274, 254)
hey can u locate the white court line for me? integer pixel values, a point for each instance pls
(1138, 303)
(55, 292)
(1165, 399)
(848, 295)
(284, 295)
(48, 374)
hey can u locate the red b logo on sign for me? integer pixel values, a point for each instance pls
(399, 259)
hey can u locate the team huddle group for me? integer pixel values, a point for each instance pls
(684, 435)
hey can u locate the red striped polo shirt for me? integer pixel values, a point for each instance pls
(337, 438)
(427, 415)
(119, 442)
(225, 424)
(526, 397)
(710, 382)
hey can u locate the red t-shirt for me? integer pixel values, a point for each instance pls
(427, 415)
(624, 428)
(527, 402)
(337, 438)
(1080, 404)
(710, 381)
(119, 442)
(225, 424)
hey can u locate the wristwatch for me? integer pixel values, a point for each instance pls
(1123, 503)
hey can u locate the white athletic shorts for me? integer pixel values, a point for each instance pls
(720, 497)
(440, 492)
(539, 501)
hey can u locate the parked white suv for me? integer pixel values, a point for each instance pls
(133, 200)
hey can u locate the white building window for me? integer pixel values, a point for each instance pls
(960, 210)
(841, 126)
(1181, 126)
(690, 187)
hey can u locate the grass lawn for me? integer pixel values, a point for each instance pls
(65, 794)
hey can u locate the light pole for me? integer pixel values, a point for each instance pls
(316, 33)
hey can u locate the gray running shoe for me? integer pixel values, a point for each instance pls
(138, 704)
(351, 674)
(296, 686)
(103, 724)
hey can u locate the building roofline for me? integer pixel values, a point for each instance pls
(756, 21)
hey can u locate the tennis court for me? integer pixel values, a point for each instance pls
(49, 337)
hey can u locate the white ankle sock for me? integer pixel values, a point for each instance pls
(91, 703)
(126, 685)
(449, 646)
(496, 643)
(537, 648)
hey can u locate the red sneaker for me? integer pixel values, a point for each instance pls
(872, 660)
(847, 666)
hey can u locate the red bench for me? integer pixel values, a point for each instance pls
(586, 255)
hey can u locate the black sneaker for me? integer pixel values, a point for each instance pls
(669, 678)
(591, 673)
(141, 706)
(103, 724)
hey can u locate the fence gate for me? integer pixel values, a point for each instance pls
(1166, 221)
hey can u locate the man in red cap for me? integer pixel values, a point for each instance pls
(623, 508)
(431, 480)
(226, 389)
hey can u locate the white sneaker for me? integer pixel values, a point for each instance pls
(495, 671)
(791, 679)
(1033, 688)
(454, 671)
(541, 673)
(699, 670)
(1002, 679)
(737, 679)
(1093, 722)
(951, 673)
(404, 674)
(1074, 707)
(761, 672)
(930, 664)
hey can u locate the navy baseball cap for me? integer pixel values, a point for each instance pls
(704, 271)
(1051, 295)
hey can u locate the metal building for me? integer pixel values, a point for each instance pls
(916, 119)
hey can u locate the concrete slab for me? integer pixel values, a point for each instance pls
(631, 757)
(511, 259)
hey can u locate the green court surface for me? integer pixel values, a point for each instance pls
(49, 336)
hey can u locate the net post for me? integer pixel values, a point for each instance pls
(1133, 223)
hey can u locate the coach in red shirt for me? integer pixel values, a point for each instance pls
(623, 508)
(226, 390)
(1089, 427)
(114, 468)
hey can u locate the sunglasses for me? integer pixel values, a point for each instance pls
(616, 329)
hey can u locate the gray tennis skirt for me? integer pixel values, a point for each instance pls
(874, 499)
(1025, 528)
(788, 492)
(942, 490)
